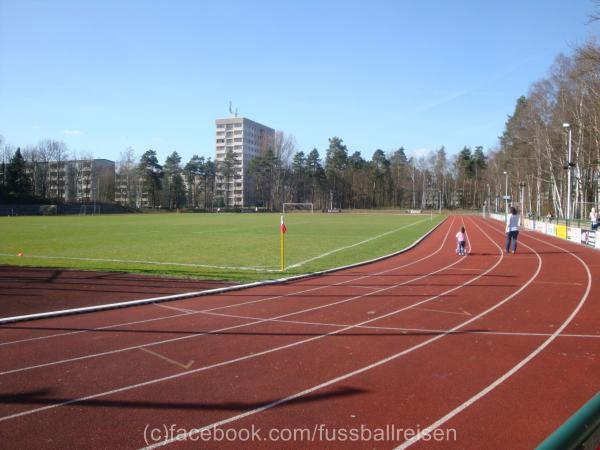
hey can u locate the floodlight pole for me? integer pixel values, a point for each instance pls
(522, 186)
(568, 216)
(506, 194)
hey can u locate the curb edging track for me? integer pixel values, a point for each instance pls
(167, 298)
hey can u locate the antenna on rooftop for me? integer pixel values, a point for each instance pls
(231, 110)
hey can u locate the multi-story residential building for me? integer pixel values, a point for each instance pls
(246, 139)
(81, 181)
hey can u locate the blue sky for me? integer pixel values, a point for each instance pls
(105, 75)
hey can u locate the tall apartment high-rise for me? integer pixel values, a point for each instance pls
(244, 139)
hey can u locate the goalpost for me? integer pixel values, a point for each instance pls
(297, 207)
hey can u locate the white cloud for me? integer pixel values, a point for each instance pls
(73, 132)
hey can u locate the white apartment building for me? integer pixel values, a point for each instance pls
(80, 181)
(246, 139)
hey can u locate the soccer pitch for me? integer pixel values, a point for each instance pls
(237, 247)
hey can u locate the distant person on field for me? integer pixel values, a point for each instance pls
(549, 216)
(461, 241)
(512, 230)
(594, 219)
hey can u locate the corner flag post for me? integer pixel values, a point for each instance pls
(282, 242)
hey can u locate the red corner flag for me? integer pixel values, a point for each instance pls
(283, 227)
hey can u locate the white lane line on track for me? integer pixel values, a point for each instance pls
(249, 356)
(331, 252)
(187, 435)
(107, 327)
(195, 335)
(559, 283)
(340, 283)
(428, 430)
(239, 359)
(406, 330)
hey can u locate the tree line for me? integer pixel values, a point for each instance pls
(559, 111)
(337, 179)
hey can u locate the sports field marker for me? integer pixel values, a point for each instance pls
(169, 360)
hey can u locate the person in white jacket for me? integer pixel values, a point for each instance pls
(512, 230)
(594, 219)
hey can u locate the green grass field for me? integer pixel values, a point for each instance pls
(238, 247)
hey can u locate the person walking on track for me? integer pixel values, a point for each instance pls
(461, 239)
(512, 230)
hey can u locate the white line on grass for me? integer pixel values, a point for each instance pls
(323, 255)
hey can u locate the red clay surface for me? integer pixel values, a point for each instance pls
(25, 290)
(490, 350)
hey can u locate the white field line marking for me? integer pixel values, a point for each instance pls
(323, 255)
(264, 352)
(169, 360)
(401, 329)
(515, 368)
(107, 327)
(174, 308)
(188, 434)
(195, 335)
(464, 313)
(291, 294)
(154, 263)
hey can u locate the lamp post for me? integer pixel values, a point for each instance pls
(506, 194)
(568, 127)
(522, 186)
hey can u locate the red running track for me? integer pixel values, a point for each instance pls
(491, 350)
